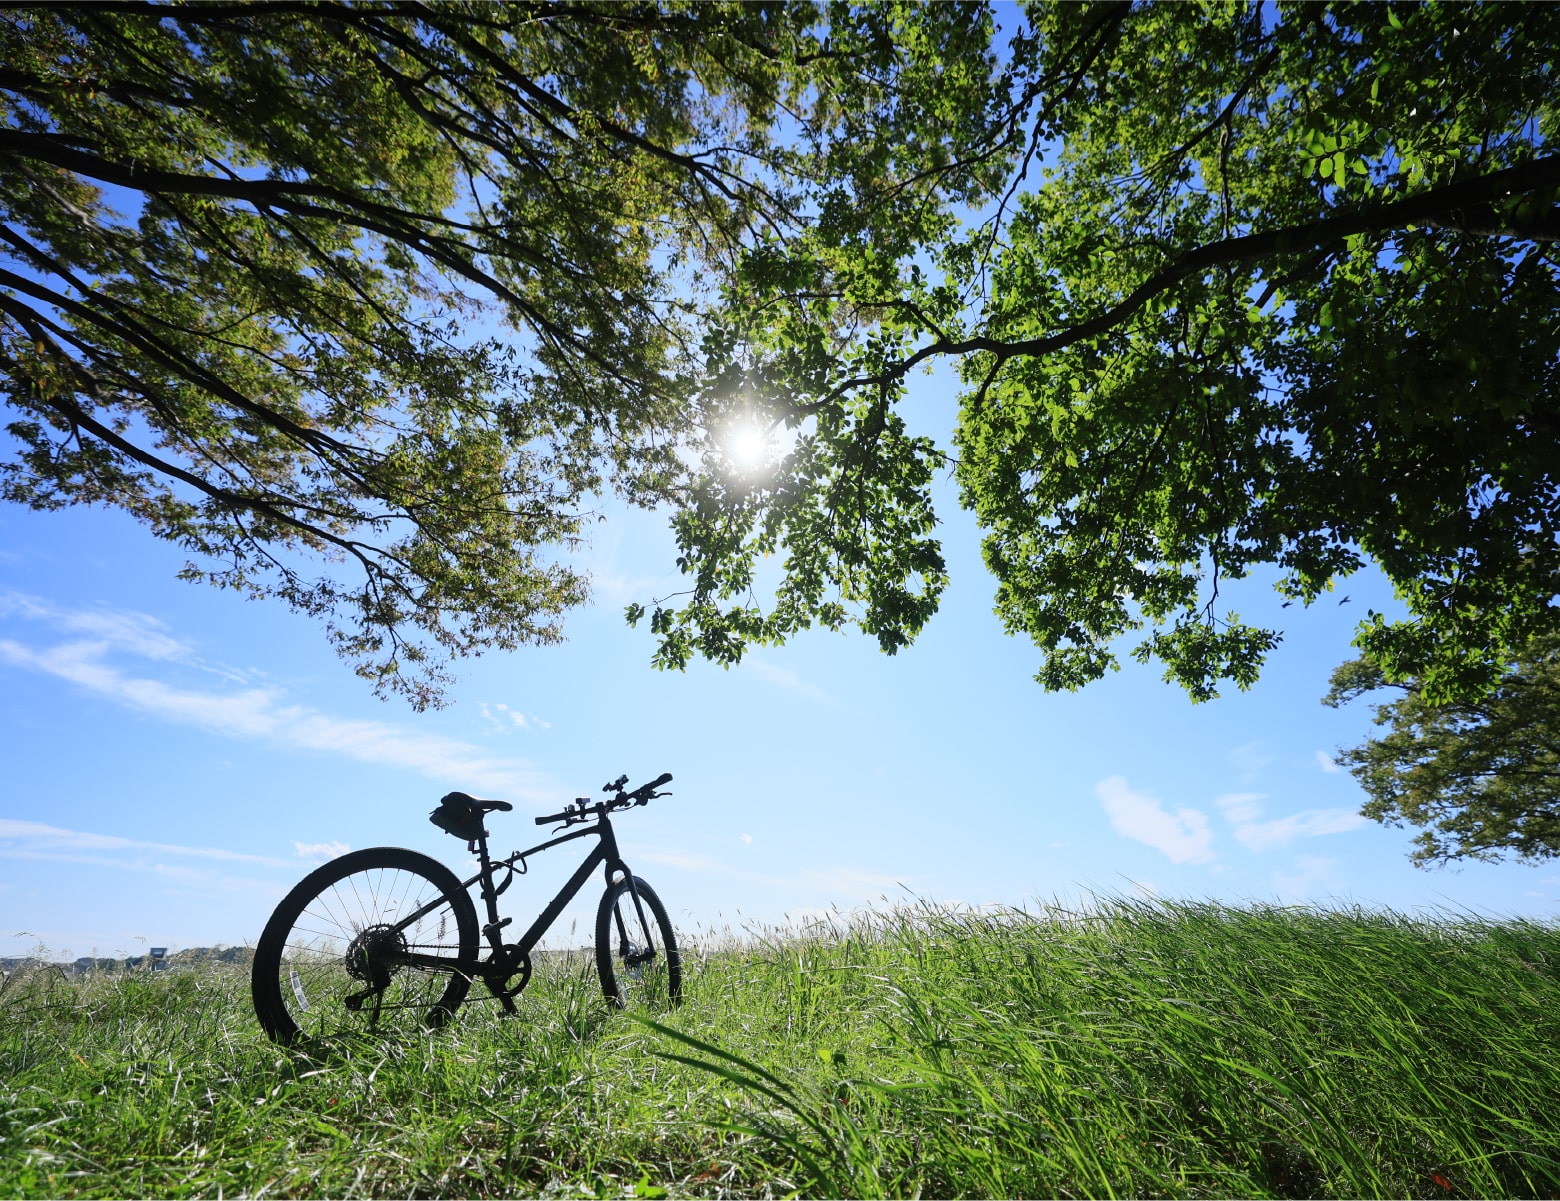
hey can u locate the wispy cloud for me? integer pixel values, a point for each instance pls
(785, 678)
(1312, 875)
(683, 861)
(139, 633)
(839, 881)
(854, 883)
(1251, 759)
(1182, 837)
(506, 720)
(1312, 823)
(126, 630)
(207, 868)
(1240, 807)
(1326, 762)
(250, 713)
(34, 840)
(321, 852)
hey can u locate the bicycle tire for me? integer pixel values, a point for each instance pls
(621, 939)
(332, 937)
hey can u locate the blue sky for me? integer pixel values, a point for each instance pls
(177, 757)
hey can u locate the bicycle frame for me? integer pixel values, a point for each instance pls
(502, 962)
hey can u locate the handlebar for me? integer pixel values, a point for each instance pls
(639, 796)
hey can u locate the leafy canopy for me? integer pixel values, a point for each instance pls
(1230, 286)
(1241, 285)
(1482, 778)
(257, 264)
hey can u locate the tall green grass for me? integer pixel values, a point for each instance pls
(1137, 1049)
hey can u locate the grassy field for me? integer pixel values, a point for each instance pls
(1142, 1049)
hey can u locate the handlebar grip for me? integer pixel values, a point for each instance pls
(663, 778)
(550, 818)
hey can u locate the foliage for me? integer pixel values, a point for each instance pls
(1231, 287)
(1482, 776)
(1142, 1050)
(1283, 294)
(257, 264)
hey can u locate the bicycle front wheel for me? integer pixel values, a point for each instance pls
(336, 955)
(636, 952)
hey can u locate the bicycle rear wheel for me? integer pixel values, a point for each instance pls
(637, 956)
(333, 957)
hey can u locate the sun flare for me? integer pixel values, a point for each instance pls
(746, 445)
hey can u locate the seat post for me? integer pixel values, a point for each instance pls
(479, 847)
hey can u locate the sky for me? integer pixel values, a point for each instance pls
(178, 757)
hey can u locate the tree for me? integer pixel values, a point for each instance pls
(402, 287)
(1256, 285)
(1484, 777)
(1230, 286)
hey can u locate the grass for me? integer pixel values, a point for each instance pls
(1140, 1049)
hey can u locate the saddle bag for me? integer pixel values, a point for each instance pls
(458, 816)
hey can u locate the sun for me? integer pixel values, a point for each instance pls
(747, 445)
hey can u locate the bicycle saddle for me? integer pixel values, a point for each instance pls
(453, 800)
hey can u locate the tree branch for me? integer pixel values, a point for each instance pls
(1435, 206)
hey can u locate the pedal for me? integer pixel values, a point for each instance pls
(354, 1003)
(514, 963)
(494, 927)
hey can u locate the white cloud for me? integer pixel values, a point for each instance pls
(747, 838)
(34, 840)
(845, 882)
(682, 860)
(516, 720)
(321, 851)
(1326, 762)
(785, 678)
(1251, 758)
(1313, 876)
(867, 885)
(53, 844)
(1182, 837)
(124, 630)
(1260, 836)
(262, 713)
(1238, 807)
(137, 633)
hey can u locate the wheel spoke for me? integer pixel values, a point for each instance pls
(636, 952)
(337, 936)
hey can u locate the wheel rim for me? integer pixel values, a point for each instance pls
(343, 959)
(644, 959)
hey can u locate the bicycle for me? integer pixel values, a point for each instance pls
(389, 934)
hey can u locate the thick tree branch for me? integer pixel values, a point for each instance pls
(1444, 206)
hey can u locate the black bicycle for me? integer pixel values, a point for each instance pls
(389, 936)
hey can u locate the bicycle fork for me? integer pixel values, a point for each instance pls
(626, 947)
